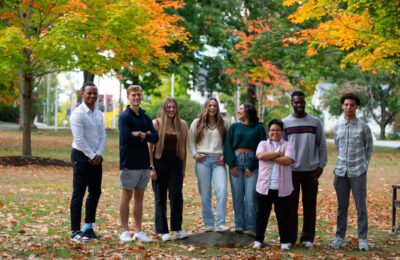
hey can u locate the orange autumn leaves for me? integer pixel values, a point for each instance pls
(366, 31)
(251, 67)
(94, 35)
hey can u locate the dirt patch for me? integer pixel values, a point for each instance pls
(20, 161)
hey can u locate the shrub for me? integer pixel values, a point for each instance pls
(393, 136)
(9, 113)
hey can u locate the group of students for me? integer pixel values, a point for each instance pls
(262, 172)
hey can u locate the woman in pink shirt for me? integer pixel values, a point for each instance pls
(274, 183)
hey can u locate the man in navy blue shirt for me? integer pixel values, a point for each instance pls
(135, 130)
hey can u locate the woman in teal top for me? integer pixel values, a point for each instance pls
(239, 153)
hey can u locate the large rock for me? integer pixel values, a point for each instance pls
(218, 239)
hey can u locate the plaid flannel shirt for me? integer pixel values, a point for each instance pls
(354, 144)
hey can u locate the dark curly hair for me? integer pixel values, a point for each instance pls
(352, 96)
(275, 122)
(251, 113)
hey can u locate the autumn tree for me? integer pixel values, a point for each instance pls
(366, 31)
(250, 69)
(43, 36)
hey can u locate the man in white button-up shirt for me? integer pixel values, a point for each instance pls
(86, 157)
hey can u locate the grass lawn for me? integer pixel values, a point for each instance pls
(34, 210)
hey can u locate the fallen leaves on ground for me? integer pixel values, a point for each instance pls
(34, 217)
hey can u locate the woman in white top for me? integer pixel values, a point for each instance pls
(206, 141)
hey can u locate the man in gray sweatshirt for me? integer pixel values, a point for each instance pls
(306, 134)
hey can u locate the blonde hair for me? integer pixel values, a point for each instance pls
(133, 88)
(162, 115)
(201, 127)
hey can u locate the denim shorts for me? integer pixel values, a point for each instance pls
(132, 179)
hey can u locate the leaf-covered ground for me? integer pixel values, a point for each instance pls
(34, 210)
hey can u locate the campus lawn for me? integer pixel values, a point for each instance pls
(34, 210)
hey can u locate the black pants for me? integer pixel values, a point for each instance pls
(169, 178)
(309, 190)
(281, 206)
(85, 176)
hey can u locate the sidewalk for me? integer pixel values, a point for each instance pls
(48, 127)
(7, 126)
(384, 143)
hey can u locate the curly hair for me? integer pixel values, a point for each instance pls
(352, 96)
(275, 122)
(251, 113)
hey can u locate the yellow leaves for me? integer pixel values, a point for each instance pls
(351, 29)
(289, 2)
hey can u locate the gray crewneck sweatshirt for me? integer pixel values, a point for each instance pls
(308, 138)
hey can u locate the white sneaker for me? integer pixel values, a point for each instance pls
(141, 236)
(166, 237)
(257, 244)
(221, 228)
(285, 246)
(363, 244)
(338, 243)
(307, 244)
(209, 229)
(125, 236)
(78, 236)
(180, 234)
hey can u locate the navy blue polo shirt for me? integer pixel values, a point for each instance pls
(133, 153)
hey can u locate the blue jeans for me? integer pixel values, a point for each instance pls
(206, 171)
(244, 196)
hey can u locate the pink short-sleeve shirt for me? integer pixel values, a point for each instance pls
(265, 168)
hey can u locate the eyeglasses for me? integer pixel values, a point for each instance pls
(275, 130)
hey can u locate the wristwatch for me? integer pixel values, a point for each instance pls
(152, 167)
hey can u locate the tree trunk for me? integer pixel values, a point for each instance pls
(384, 115)
(87, 76)
(27, 116)
(21, 100)
(120, 98)
(260, 107)
(382, 134)
(251, 94)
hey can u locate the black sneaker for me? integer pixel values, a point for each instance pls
(77, 236)
(90, 234)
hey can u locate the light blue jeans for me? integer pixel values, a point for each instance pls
(244, 195)
(206, 171)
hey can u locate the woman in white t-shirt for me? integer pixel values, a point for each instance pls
(206, 141)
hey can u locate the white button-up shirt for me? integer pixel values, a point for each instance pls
(88, 130)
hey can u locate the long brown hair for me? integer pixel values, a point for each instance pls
(201, 127)
(162, 115)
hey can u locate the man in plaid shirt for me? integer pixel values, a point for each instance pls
(353, 141)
